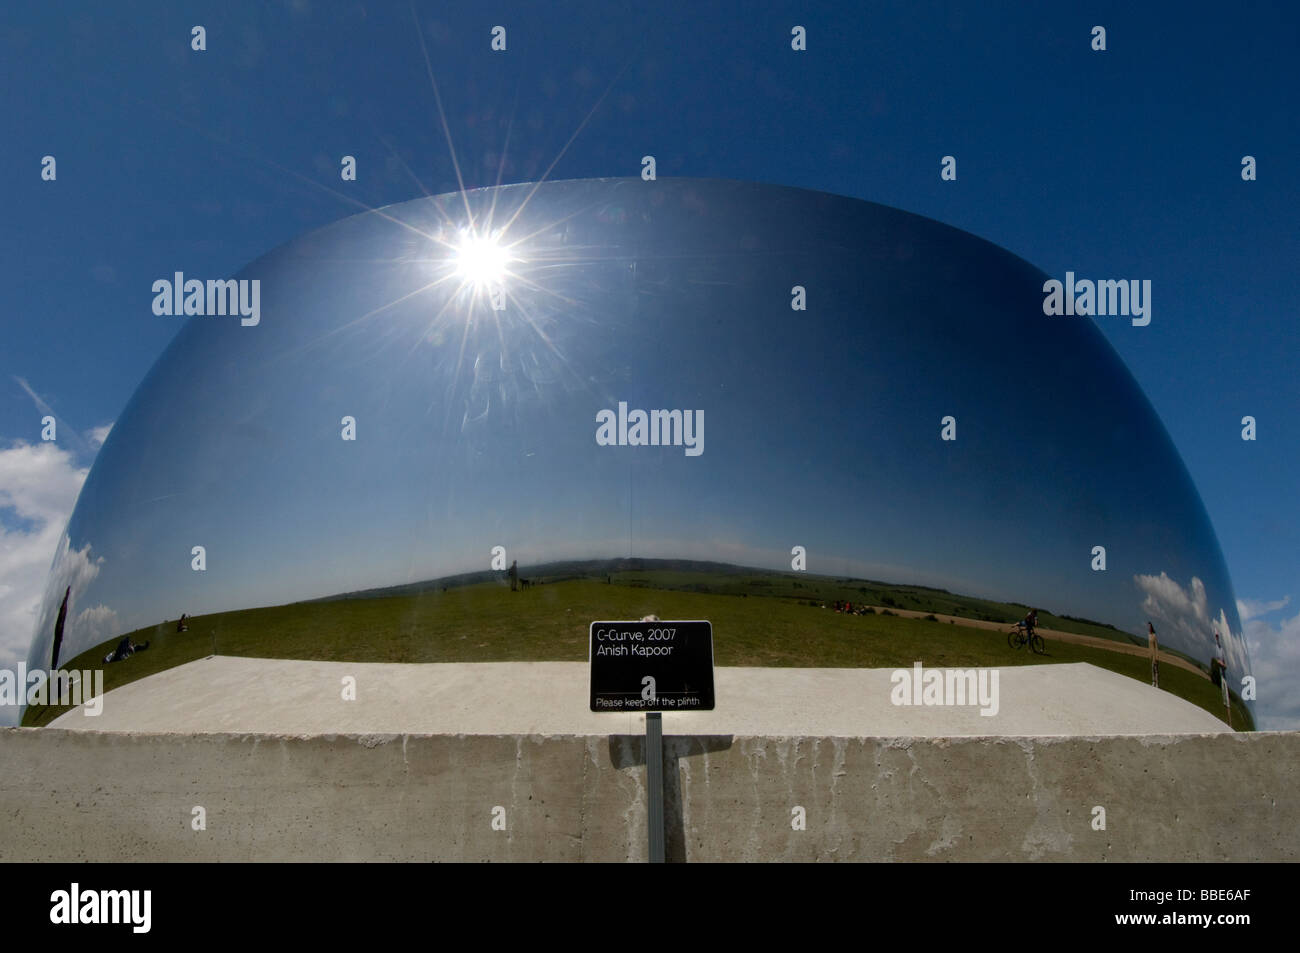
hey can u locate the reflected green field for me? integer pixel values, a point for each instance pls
(486, 622)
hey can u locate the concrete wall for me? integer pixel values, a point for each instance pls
(79, 795)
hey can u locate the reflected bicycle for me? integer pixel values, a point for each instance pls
(1017, 638)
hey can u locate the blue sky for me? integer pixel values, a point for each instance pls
(1123, 163)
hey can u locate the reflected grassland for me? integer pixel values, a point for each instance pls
(759, 619)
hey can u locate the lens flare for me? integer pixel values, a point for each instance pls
(480, 260)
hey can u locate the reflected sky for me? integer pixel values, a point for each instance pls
(476, 427)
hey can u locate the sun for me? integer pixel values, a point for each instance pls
(480, 260)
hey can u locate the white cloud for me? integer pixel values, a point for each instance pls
(1274, 649)
(72, 572)
(1182, 619)
(98, 435)
(40, 482)
(1275, 655)
(1251, 609)
(96, 624)
(38, 487)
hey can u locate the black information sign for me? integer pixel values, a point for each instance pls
(651, 666)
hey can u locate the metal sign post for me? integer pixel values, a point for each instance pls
(654, 772)
(652, 666)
